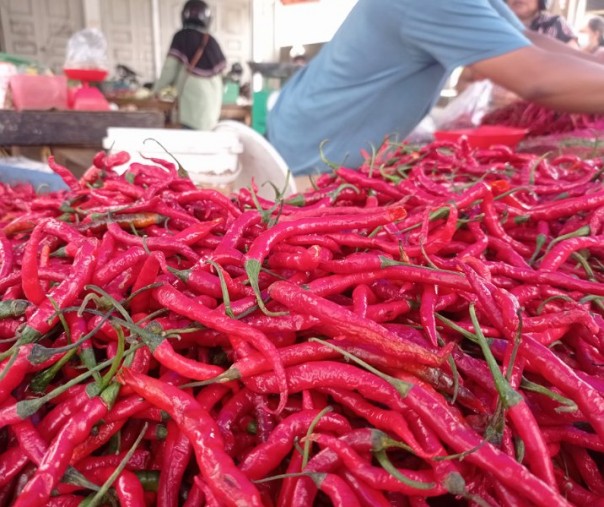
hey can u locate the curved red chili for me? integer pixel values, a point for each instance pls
(229, 485)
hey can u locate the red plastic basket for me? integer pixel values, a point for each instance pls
(86, 75)
(484, 136)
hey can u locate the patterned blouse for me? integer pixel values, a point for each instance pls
(554, 26)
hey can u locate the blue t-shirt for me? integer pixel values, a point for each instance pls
(381, 74)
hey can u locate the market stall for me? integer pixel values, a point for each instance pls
(380, 319)
(180, 326)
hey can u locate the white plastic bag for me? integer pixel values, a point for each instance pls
(467, 109)
(423, 132)
(87, 49)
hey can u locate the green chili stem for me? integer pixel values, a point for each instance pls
(94, 501)
(311, 428)
(226, 298)
(401, 386)
(568, 404)
(387, 465)
(507, 394)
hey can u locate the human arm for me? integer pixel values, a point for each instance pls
(551, 44)
(466, 77)
(169, 73)
(549, 73)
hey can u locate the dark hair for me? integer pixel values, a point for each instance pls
(196, 13)
(596, 24)
(544, 5)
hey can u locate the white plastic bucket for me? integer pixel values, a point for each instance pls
(210, 158)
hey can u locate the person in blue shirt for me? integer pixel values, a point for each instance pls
(383, 71)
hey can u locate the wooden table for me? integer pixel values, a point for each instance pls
(129, 104)
(73, 137)
(81, 129)
(238, 112)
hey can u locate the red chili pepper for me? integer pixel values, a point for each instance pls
(146, 277)
(347, 324)
(563, 250)
(25, 361)
(367, 495)
(262, 245)
(6, 253)
(164, 244)
(32, 288)
(101, 436)
(64, 410)
(268, 455)
(565, 208)
(300, 260)
(294, 466)
(44, 318)
(336, 488)
(66, 175)
(559, 374)
(175, 461)
(195, 495)
(128, 488)
(138, 461)
(448, 426)
(589, 469)
(65, 501)
(164, 353)
(225, 481)
(386, 420)
(202, 282)
(38, 489)
(210, 195)
(107, 272)
(240, 404)
(12, 462)
(235, 330)
(357, 178)
(555, 279)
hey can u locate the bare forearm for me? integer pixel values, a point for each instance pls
(561, 81)
(550, 44)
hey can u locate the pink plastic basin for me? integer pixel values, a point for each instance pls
(38, 92)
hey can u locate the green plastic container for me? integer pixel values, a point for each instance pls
(259, 111)
(231, 93)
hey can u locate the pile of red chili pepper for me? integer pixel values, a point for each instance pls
(540, 120)
(427, 330)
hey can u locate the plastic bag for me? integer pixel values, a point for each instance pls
(467, 109)
(87, 49)
(423, 132)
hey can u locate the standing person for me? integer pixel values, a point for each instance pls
(534, 15)
(594, 31)
(194, 65)
(384, 69)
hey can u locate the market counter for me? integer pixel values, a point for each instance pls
(80, 129)
(238, 112)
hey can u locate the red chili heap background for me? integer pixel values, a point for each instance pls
(425, 331)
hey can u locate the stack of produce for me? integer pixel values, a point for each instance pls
(540, 120)
(425, 331)
(550, 131)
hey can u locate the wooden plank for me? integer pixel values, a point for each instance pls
(69, 128)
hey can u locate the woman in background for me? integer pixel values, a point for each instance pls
(534, 16)
(594, 31)
(194, 66)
